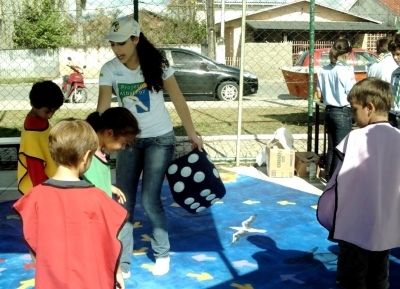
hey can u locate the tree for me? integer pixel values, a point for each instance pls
(95, 28)
(41, 25)
(184, 26)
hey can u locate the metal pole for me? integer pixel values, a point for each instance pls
(136, 10)
(242, 43)
(211, 29)
(222, 34)
(311, 76)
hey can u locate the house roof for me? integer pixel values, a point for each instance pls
(343, 5)
(261, 2)
(393, 5)
(320, 26)
(300, 1)
(252, 2)
(336, 4)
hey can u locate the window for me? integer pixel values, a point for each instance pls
(324, 59)
(363, 60)
(185, 60)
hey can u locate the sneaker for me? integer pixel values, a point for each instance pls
(126, 275)
(161, 267)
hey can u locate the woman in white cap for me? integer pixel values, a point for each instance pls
(138, 75)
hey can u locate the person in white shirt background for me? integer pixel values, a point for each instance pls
(385, 66)
(394, 48)
(335, 81)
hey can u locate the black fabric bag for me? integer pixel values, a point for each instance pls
(194, 181)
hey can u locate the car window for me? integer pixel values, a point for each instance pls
(185, 60)
(324, 59)
(363, 60)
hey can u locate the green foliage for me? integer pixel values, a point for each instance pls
(95, 28)
(41, 25)
(185, 32)
(183, 26)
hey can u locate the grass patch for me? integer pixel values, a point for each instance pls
(21, 80)
(208, 121)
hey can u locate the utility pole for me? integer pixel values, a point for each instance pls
(311, 76)
(222, 34)
(136, 10)
(210, 28)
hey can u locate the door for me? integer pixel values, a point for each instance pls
(193, 73)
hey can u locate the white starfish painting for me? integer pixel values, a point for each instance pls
(245, 229)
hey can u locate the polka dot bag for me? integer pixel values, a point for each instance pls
(195, 182)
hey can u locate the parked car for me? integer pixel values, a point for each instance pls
(198, 75)
(360, 59)
(297, 76)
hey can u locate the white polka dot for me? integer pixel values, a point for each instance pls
(189, 201)
(172, 169)
(199, 209)
(199, 177)
(179, 187)
(216, 173)
(186, 171)
(194, 206)
(210, 197)
(193, 158)
(215, 200)
(205, 193)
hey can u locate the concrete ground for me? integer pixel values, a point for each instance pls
(8, 185)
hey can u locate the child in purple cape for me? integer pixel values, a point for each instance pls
(360, 205)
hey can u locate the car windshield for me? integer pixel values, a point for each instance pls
(301, 59)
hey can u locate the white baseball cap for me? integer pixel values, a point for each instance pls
(122, 29)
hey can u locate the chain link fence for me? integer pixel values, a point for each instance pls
(39, 39)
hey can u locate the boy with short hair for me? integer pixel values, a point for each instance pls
(360, 205)
(70, 225)
(394, 47)
(35, 164)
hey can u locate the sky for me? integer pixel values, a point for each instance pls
(126, 6)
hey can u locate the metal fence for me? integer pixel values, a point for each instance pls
(37, 37)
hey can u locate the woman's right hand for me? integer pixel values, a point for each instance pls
(197, 141)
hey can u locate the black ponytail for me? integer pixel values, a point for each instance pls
(340, 47)
(152, 63)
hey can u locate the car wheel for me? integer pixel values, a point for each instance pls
(228, 91)
(79, 95)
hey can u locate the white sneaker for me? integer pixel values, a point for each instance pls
(161, 267)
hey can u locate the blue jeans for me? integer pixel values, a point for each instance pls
(149, 157)
(126, 238)
(338, 123)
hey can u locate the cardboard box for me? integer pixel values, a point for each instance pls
(280, 162)
(306, 164)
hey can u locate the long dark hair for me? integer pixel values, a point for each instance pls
(340, 47)
(152, 62)
(119, 119)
